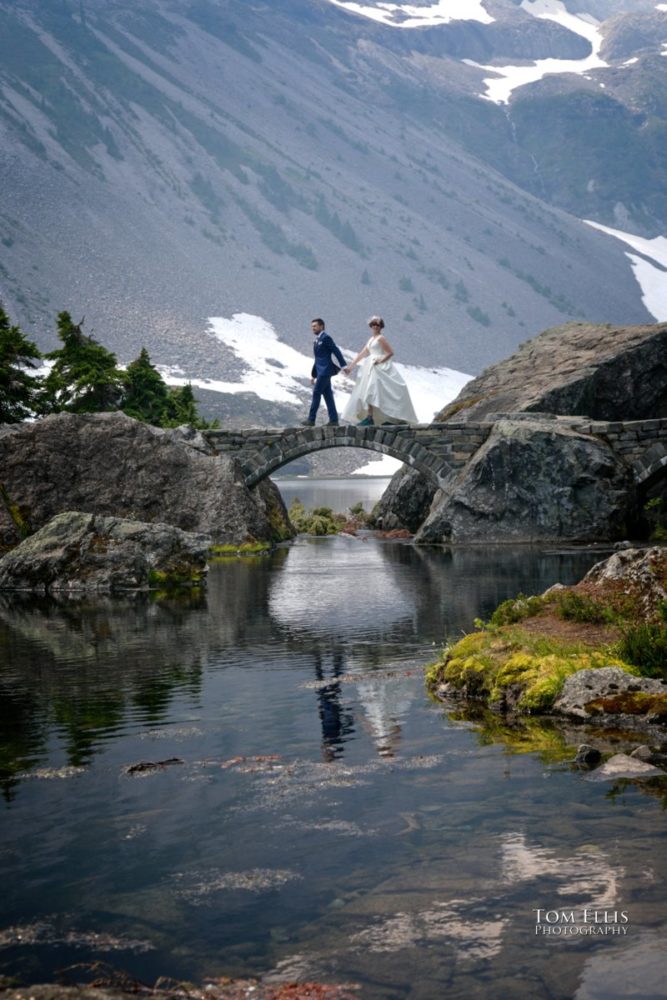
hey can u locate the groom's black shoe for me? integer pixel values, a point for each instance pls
(307, 423)
(332, 423)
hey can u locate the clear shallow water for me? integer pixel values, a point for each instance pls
(326, 820)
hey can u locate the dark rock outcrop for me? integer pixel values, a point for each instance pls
(580, 369)
(406, 501)
(626, 36)
(77, 552)
(108, 463)
(533, 479)
(536, 481)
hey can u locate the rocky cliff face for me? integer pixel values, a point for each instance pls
(108, 463)
(533, 479)
(580, 369)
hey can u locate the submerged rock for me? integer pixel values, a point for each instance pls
(621, 765)
(587, 755)
(78, 552)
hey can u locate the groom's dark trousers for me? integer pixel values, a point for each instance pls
(323, 371)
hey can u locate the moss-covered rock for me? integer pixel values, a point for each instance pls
(78, 552)
(509, 667)
(585, 651)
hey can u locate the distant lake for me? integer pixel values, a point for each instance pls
(339, 494)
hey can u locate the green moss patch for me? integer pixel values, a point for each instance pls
(219, 553)
(175, 579)
(509, 666)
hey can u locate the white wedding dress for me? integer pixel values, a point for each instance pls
(383, 388)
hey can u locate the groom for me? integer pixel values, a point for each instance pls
(323, 370)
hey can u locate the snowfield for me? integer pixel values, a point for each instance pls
(279, 373)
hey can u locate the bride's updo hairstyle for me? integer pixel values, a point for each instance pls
(376, 321)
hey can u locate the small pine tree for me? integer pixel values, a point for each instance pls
(147, 396)
(183, 410)
(18, 388)
(85, 377)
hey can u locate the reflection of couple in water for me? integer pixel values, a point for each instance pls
(380, 395)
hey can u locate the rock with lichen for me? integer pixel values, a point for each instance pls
(610, 691)
(528, 483)
(78, 552)
(534, 479)
(110, 464)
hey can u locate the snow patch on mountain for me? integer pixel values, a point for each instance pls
(507, 78)
(409, 16)
(279, 373)
(650, 274)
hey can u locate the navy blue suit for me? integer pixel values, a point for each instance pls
(323, 370)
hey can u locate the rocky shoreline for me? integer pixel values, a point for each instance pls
(120, 987)
(591, 658)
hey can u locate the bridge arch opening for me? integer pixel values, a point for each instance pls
(267, 461)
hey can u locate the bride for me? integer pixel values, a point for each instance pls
(380, 395)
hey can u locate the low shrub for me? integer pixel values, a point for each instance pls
(516, 609)
(578, 607)
(319, 521)
(645, 645)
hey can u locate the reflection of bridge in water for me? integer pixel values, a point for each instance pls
(436, 450)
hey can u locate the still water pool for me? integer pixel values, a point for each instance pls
(320, 818)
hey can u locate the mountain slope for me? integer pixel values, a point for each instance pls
(177, 161)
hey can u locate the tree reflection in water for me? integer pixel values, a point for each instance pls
(75, 668)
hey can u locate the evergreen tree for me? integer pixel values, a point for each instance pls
(85, 377)
(183, 410)
(147, 396)
(18, 388)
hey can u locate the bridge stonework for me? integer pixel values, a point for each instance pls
(436, 450)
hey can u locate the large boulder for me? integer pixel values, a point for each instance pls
(406, 501)
(580, 369)
(534, 479)
(78, 552)
(108, 463)
(641, 572)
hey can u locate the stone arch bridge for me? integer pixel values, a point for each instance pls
(436, 450)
